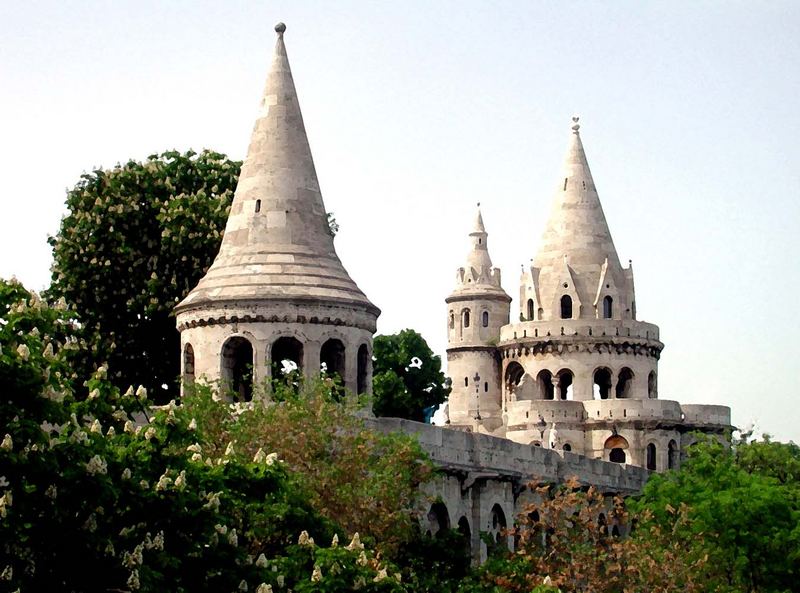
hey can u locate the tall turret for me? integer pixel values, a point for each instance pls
(578, 339)
(277, 290)
(476, 310)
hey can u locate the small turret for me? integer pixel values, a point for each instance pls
(476, 310)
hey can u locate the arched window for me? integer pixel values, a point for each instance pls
(498, 527)
(652, 385)
(545, 382)
(486, 387)
(566, 307)
(616, 446)
(258, 206)
(565, 379)
(188, 364)
(531, 306)
(608, 307)
(452, 320)
(567, 447)
(466, 534)
(438, 519)
(672, 453)
(602, 383)
(286, 355)
(513, 376)
(485, 319)
(363, 369)
(332, 356)
(624, 383)
(651, 456)
(465, 315)
(237, 367)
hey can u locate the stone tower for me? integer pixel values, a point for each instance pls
(277, 290)
(476, 310)
(578, 348)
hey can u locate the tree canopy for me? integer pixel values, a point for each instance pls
(136, 239)
(407, 376)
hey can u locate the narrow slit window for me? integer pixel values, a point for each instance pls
(565, 183)
(258, 205)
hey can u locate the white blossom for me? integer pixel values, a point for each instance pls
(305, 539)
(193, 425)
(229, 449)
(380, 576)
(316, 574)
(51, 492)
(111, 432)
(48, 351)
(150, 432)
(126, 473)
(180, 481)
(133, 580)
(197, 457)
(163, 482)
(233, 538)
(141, 393)
(243, 585)
(94, 393)
(195, 448)
(260, 456)
(362, 559)
(3, 482)
(129, 426)
(23, 351)
(7, 574)
(335, 541)
(272, 458)
(355, 543)
(7, 444)
(264, 588)
(97, 465)
(96, 427)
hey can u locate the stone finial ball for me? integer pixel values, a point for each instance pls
(280, 28)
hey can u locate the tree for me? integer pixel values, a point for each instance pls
(407, 376)
(137, 238)
(92, 502)
(744, 505)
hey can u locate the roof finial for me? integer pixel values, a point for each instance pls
(280, 28)
(575, 125)
(479, 204)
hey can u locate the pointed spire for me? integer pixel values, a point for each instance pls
(478, 257)
(577, 232)
(577, 227)
(277, 241)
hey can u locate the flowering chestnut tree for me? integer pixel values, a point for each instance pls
(135, 241)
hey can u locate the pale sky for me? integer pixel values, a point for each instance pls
(417, 110)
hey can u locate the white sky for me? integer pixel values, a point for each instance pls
(417, 110)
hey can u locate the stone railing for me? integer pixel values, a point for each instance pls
(632, 409)
(706, 414)
(596, 328)
(468, 452)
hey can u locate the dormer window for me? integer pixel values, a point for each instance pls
(566, 307)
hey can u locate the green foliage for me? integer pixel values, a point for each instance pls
(407, 376)
(135, 240)
(365, 481)
(91, 500)
(744, 506)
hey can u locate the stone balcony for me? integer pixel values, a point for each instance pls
(567, 328)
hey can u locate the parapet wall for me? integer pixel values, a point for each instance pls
(627, 328)
(503, 459)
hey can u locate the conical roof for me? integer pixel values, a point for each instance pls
(577, 227)
(577, 254)
(277, 242)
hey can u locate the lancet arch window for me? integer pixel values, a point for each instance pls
(498, 527)
(531, 308)
(608, 307)
(362, 373)
(651, 456)
(485, 319)
(237, 367)
(188, 364)
(652, 385)
(438, 520)
(566, 307)
(672, 455)
(465, 317)
(513, 376)
(452, 321)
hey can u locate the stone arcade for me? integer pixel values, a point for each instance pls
(569, 390)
